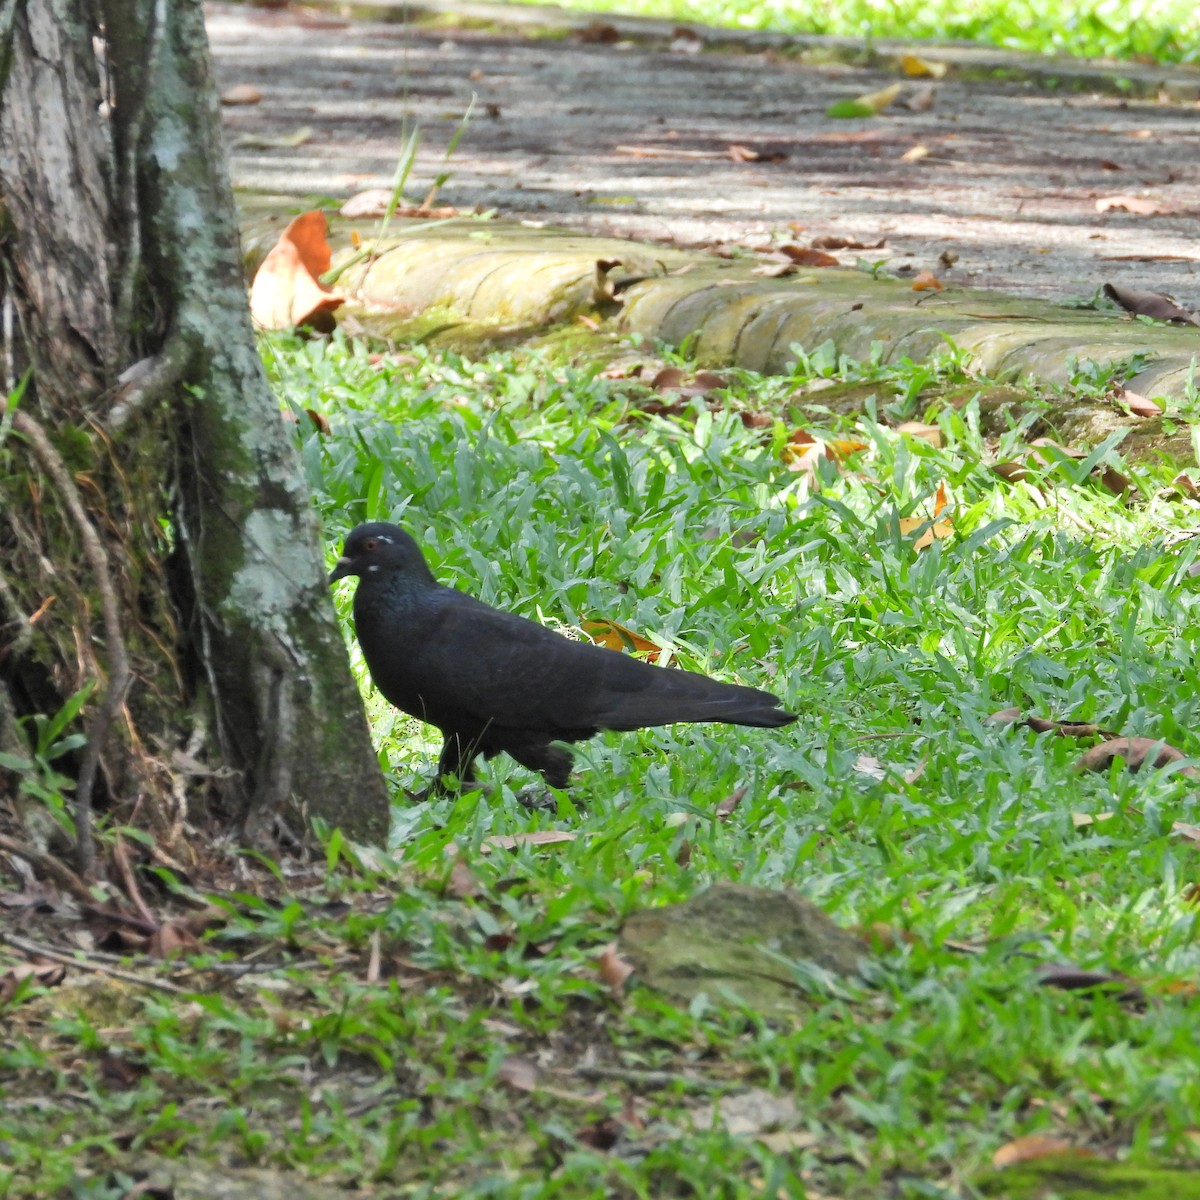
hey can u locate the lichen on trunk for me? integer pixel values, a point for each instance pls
(190, 551)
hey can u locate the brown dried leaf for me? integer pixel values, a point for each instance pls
(614, 970)
(668, 379)
(1033, 1146)
(171, 938)
(599, 33)
(924, 281)
(730, 803)
(519, 1073)
(1136, 751)
(1140, 406)
(319, 420)
(287, 290)
(806, 257)
(1006, 716)
(830, 242)
(918, 429)
(44, 974)
(462, 883)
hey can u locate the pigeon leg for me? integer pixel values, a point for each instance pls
(554, 762)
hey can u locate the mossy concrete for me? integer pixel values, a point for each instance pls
(472, 283)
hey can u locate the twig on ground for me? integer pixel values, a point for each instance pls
(89, 964)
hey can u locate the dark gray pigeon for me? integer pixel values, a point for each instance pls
(492, 681)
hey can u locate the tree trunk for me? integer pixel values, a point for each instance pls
(156, 536)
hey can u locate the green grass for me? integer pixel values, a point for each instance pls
(1155, 30)
(543, 488)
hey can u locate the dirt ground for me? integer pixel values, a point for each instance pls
(632, 137)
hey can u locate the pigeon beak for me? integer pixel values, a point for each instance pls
(343, 567)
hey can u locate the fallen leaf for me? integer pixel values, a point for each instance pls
(1135, 751)
(729, 804)
(287, 290)
(320, 421)
(1134, 204)
(829, 242)
(614, 636)
(915, 153)
(922, 68)
(462, 882)
(1149, 304)
(871, 767)
(925, 281)
(807, 257)
(614, 970)
(1191, 832)
(519, 1073)
(241, 93)
(867, 105)
(43, 974)
(775, 270)
(1034, 1146)
(668, 379)
(920, 99)
(926, 433)
(599, 33)
(1006, 716)
(685, 41)
(748, 1113)
(371, 203)
(840, 449)
(172, 938)
(1140, 406)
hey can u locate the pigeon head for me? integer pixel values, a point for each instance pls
(376, 549)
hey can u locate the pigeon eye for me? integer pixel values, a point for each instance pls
(370, 545)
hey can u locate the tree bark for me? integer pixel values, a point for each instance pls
(156, 536)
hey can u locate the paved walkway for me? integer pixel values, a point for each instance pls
(632, 138)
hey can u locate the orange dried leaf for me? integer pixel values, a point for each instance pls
(287, 289)
(807, 257)
(614, 636)
(925, 281)
(1033, 1146)
(614, 970)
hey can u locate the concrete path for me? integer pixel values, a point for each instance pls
(631, 137)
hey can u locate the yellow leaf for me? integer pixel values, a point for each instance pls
(878, 101)
(922, 68)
